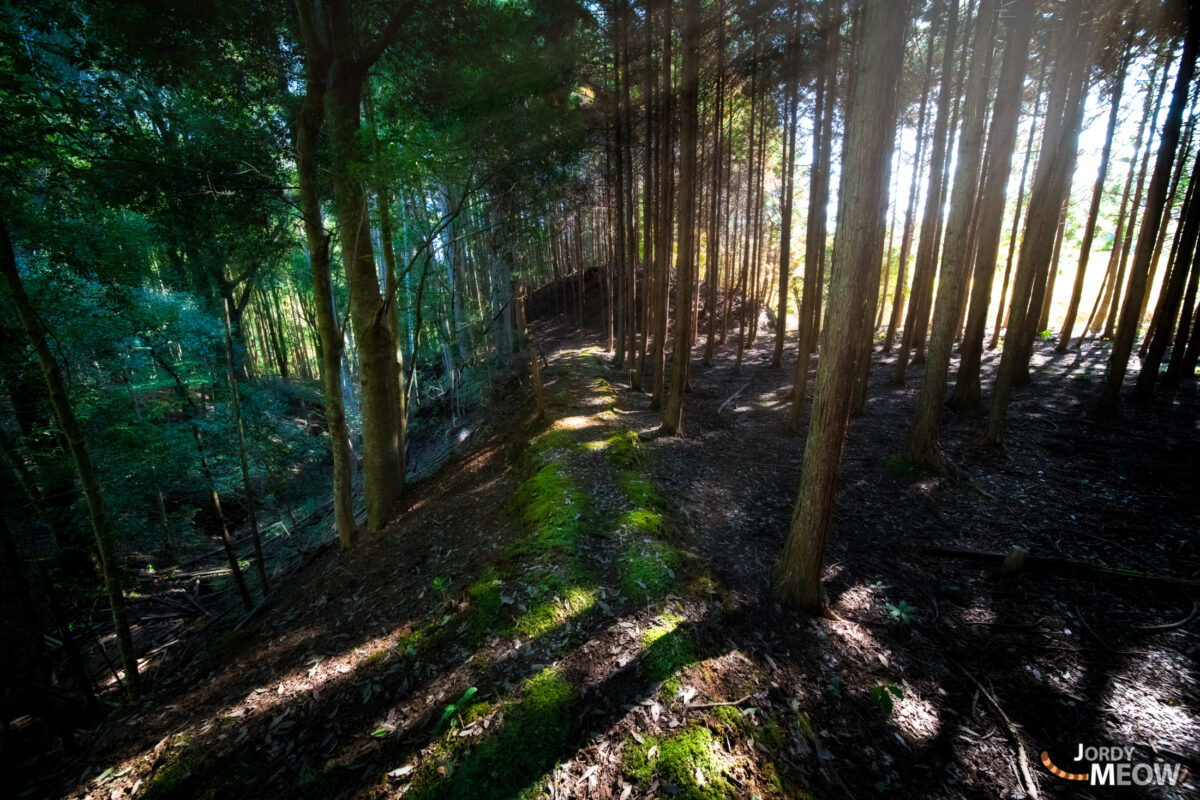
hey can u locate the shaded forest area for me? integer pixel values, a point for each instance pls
(635, 398)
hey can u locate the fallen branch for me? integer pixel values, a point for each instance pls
(716, 705)
(1170, 626)
(1065, 564)
(732, 397)
(1022, 758)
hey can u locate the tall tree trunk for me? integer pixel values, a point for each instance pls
(1001, 317)
(923, 446)
(914, 187)
(925, 267)
(330, 338)
(1173, 290)
(815, 231)
(1155, 199)
(787, 190)
(1059, 144)
(666, 207)
(1089, 230)
(1001, 141)
(247, 486)
(76, 446)
(686, 264)
(713, 259)
(1119, 283)
(748, 226)
(383, 467)
(870, 126)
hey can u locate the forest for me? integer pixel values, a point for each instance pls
(606, 399)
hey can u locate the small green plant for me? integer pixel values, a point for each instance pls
(834, 686)
(1046, 334)
(885, 695)
(901, 612)
(453, 709)
(441, 586)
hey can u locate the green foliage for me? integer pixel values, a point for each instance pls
(453, 709)
(902, 612)
(884, 695)
(690, 760)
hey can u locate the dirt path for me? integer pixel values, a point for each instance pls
(578, 608)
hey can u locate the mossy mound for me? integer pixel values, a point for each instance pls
(623, 449)
(638, 490)
(512, 761)
(690, 762)
(668, 648)
(648, 568)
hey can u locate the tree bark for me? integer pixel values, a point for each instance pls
(329, 333)
(73, 433)
(815, 231)
(862, 204)
(1089, 230)
(1064, 110)
(925, 266)
(685, 268)
(923, 446)
(1001, 141)
(1155, 199)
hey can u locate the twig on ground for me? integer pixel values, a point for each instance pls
(1022, 758)
(1170, 626)
(732, 397)
(715, 705)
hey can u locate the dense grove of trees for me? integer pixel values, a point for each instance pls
(251, 251)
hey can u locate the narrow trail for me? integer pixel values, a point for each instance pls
(573, 607)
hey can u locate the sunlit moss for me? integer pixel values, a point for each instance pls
(552, 507)
(484, 595)
(638, 490)
(511, 761)
(668, 648)
(690, 760)
(560, 600)
(648, 569)
(623, 449)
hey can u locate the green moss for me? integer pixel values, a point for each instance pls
(689, 760)
(558, 597)
(175, 767)
(770, 734)
(668, 648)
(484, 595)
(898, 466)
(641, 521)
(375, 659)
(547, 445)
(476, 711)
(638, 490)
(728, 715)
(512, 761)
(623, 449)
(552, 507)
(648, 568)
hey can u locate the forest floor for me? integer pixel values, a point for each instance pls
(579, 608)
